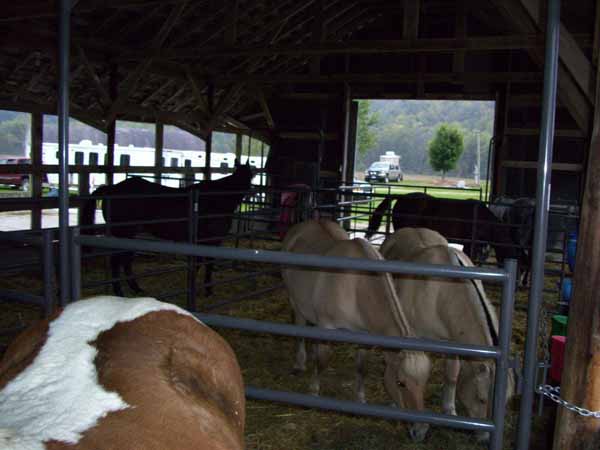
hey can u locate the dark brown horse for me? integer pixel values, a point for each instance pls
(468, 222)
(217, 201)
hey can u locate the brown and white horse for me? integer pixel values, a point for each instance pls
(448, 309)
(359, 301)
(115, 374)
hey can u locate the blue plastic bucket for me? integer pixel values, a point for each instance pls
(571, 250)
(567, 289)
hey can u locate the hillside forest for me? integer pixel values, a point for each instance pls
(407, 126)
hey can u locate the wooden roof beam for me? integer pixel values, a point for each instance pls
(404, 46)
(264, 105)
(437, 77)
(103, 97)
(568, 92)
(575, 61)
(410, 28)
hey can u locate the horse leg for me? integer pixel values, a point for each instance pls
(449, 394)
(360, 375)
(115, 267)
(128, 268)
(322, 353)
(300, 364)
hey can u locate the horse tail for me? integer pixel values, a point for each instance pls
(490, 316)
(88, 211)
(377, 216)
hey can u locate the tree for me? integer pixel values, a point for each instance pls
(445, 149)
(367, 120)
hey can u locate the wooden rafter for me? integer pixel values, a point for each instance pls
(102, 94)
(410, 29)
(569, 93)
(574, 60)
(264, 105)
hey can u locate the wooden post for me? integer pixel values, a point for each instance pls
(111, 130)
(581, 373)
(238, 147)
(109, 163)
(208, 142)
(37, 132)
(158, 151)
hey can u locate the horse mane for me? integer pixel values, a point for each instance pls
(486, 311)
(388, 284)
(332, 228)
(377, 216)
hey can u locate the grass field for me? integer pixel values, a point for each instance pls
(434, 186)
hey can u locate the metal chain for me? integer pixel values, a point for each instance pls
(553, 393)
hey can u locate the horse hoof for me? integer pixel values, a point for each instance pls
(418, 431)
(482, 437)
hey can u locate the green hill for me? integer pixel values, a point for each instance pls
(407, 126)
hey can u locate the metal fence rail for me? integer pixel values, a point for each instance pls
(43, 243)
(506, 277)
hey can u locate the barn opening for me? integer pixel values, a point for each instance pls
(394, 138)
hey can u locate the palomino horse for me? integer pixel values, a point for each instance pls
(114, 374)
(359, 301)
(218, 200)
(448, 309)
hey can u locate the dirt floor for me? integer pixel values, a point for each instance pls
(267, 362)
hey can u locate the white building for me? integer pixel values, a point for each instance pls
(87, 153)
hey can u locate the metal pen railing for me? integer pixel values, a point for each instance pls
(506, 277)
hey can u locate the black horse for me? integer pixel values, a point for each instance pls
(217, 201)
(468, 222)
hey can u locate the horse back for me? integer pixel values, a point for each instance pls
(406, 241)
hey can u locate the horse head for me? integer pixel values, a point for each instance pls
(475, 390)
(405, 379)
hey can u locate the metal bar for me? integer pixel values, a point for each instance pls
(298, 259)
(75, 266)
(354, 337)
(191, 261)
(64, 38)
(386, 412)
(501, 379)
(48, 271)
(21, 297)
(541, 220)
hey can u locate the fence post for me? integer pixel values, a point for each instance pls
(192, 304)
(48, 270)
(502, 367)
(75, 265)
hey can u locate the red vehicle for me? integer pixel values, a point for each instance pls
(18, 180)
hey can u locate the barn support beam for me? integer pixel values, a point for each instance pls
(159, 139)
(238, 147)
(37, 130)
(208, 141)
(581, 379)
(541, 220)
(64, 42)
(411, 11)
(575, 61)
(346, 152)
(111, 129)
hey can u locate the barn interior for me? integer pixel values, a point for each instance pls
(290, 72)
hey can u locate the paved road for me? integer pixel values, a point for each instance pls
(20, 220)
